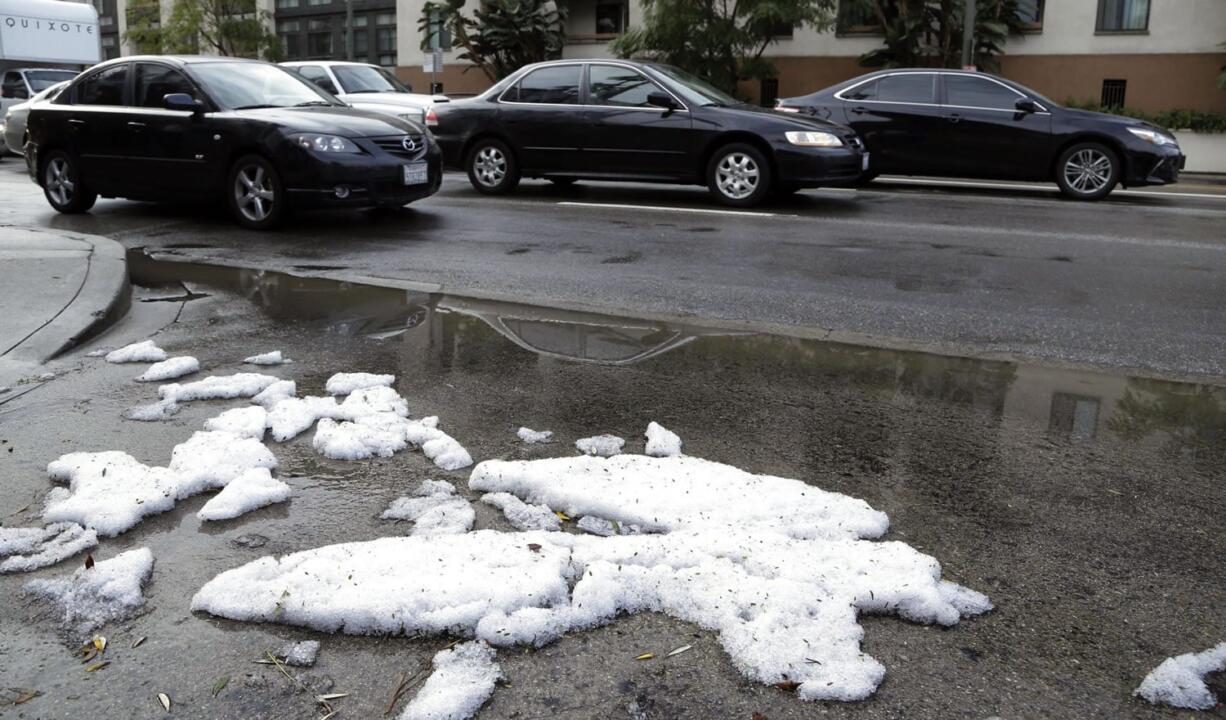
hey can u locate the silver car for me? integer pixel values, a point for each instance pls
(13, 129)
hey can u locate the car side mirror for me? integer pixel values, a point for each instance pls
(1026, 105)
(182, 101)
(662, 100)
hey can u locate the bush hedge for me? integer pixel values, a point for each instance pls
(1178, 119)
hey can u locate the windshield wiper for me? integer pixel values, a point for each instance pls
(366, 90)
(255, 107)
(311, 103)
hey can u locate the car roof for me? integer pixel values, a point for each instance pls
(179, 60)
(330, 63)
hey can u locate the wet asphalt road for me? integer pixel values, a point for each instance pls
(1138, 281)
(1086, 505)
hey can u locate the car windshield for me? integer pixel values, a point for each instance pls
(42, 79)
(248, 85)
(366, 79)
(693, 89)
(51, 92)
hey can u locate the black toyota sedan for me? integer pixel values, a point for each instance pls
(957, 123)
(615, 120)
(255, 134)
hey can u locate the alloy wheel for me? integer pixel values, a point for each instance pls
(490, 166)
(1088, 171)
(59, 181)
(253, 193)
(737, 176)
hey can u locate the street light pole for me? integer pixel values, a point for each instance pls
(349, 30)
(968, 33)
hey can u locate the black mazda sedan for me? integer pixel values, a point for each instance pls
(265, 140)
(615, 120)
(957, 123)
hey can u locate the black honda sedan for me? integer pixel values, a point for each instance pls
(616, 120)
(262, 138)
(969, 124)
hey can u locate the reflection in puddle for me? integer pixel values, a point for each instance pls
(438, 330)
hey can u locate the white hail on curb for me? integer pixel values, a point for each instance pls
(218, 387)
(463, 679)
(532, 437)
(269, 358)
(345, 383)
(600, 445)
(661, 442)
(144, 351)
(110, 591)
(1180, 681)
(26, 549)
(170, 369)
(778, 568)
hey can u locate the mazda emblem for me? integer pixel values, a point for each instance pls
(410, 143)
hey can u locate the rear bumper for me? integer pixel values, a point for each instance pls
(368, 184)
(1154, 166)
(814, 167)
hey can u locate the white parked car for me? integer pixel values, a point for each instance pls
(367, 87)
(13, 128)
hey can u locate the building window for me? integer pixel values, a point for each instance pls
(856, 17)
(106, 21)
(385, 44)
(385, 19)
(360, 21)
(1030, 12)
(439, 37)
(612, 17)
(286, 4)
(1114, 92)
(287, 32)
(108, 41)
(317, 3)
(1123, 15)
(319, 38)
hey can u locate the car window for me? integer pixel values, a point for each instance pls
(909, 88)
(555, 85)
(243, 85)
(155, 82)
(317, 75)
(618, 86)
(976, 92)
(42, 79)
(867, 91)
(13, 87)
(356, 79)
(103, 88)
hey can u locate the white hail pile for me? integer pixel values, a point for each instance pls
(600, 445)
(170, 369)
(26, 549)
(254, 489)
(434, 509)
(1180, 681)
(779, 569)
(521, 515)
(532, 437)
(218, 387)
(299, 654)
(144, 351)
(89, 598)
(269, 358)
(661, 442)
(463, 679)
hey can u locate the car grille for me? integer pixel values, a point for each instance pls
(394, 145)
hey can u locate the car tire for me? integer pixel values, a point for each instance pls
(62, 184)
(738, 175)
(1088, 171)
(491, 166)
(254, 193)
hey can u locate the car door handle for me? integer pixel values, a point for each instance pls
(859, 110)
(953, 117)
(75, 121)
(136, 125)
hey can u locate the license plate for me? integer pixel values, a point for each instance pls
(864, 163)
(416, 174)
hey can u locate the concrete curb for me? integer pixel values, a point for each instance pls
(103, 297)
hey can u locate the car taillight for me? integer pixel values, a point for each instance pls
(431, 118)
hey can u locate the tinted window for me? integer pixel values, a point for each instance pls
(42, 79)
(104, 88)
(867, 91)
(557, 85)
(917, 88)
(366, 79)
(976, 92)
(317, 75)
(622, 87)
(155, 82)
(13, 87)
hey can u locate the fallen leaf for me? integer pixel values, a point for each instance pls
(534, 547)
(165, 700)
(645, 656)
(679, 650)
(89, 560)
(99, 643)
(97, 666)
(26, 696)
(758, 716)
(332, 696)
(136, 643)
(787, 685)
(325, 717)
(561, 515)
(89, 652)
(220, 685)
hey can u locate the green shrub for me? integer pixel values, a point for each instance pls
(1178, 119)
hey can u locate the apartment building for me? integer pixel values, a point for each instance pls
(1146, 54)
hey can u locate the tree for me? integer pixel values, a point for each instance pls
(145, 32)
(225, 27)
(720, 40)
(928, 33)
(500, 36)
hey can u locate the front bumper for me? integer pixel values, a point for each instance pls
(807, 167)
(1153, 165)
(372, 180)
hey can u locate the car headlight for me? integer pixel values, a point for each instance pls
(325, 143)
(814, 138)
(416, 117)
(1152, 137)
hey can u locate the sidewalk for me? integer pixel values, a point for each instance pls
(56, 289)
